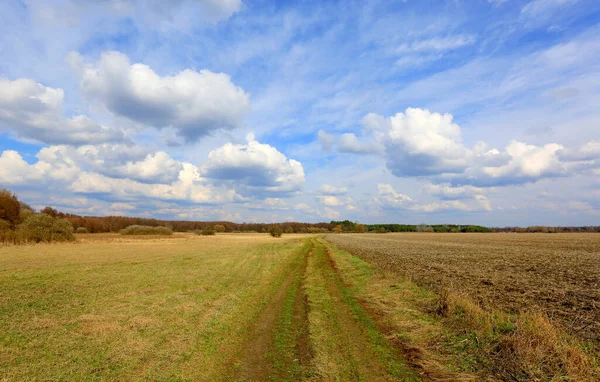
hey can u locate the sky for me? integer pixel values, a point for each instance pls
(460, 111)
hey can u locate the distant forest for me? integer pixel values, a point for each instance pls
(13, 212)
(96, 224)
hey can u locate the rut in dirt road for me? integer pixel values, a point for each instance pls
(279, 344)
(347, 344)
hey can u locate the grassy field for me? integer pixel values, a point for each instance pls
(228, 307)
(242, 307)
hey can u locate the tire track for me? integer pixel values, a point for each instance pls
(260, 359)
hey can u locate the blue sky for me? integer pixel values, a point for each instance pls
(483, 112)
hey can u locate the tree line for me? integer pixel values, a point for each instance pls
(14, 214)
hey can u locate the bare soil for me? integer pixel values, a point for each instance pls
(558, 274)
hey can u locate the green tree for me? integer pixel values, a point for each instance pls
(275, 231)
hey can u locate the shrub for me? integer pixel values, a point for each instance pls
(50, 211)
(207, 231)
(44, 228)
(220, 228)
(275, 231)
(145, 230)
(82, 230)
(4, 226)
(10, 207)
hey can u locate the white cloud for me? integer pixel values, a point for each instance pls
(255, 168)
(57, 169)
(589, 151)
(117, 161)
(269, 204)
(327, 189)
(31, 110)
(194, 103)
(537, 8)
(349, 143)
(326, 140)
(478, 203)
(436, 44)
(447, 192)
(157, 168)
(174, 14)
(189, 187)
(388, 197)
(419, 142)
(15, 171)
(330, 201)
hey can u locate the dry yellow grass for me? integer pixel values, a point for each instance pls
(455, 330)
(110, 307)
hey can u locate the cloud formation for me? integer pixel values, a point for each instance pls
(388, 199)
(327, 189)
(255, 167)
(420, 143)
(194, 103)
(31, 110)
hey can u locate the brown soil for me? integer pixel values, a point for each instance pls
(557, 274)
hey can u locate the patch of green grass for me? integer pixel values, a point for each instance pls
(161, 310)
(285, 335)
(347, 343)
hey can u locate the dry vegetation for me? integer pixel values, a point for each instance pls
(252, 307)
(522, 307)
(185, 307)
(114, 307)
(557, 274)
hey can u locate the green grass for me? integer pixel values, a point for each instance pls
(226, 307)
(348, 345)
(164, 310)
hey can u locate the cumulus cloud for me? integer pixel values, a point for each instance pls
(387, 196)
(255, 167)
(57, 167)
(419, 142)
(189, 187)
(32, 110)
(194, 103)
(330, 201)
(15, 171)
(422, 143)
(327, 189)
(155, 168)
(589, 151)
(117, 161)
